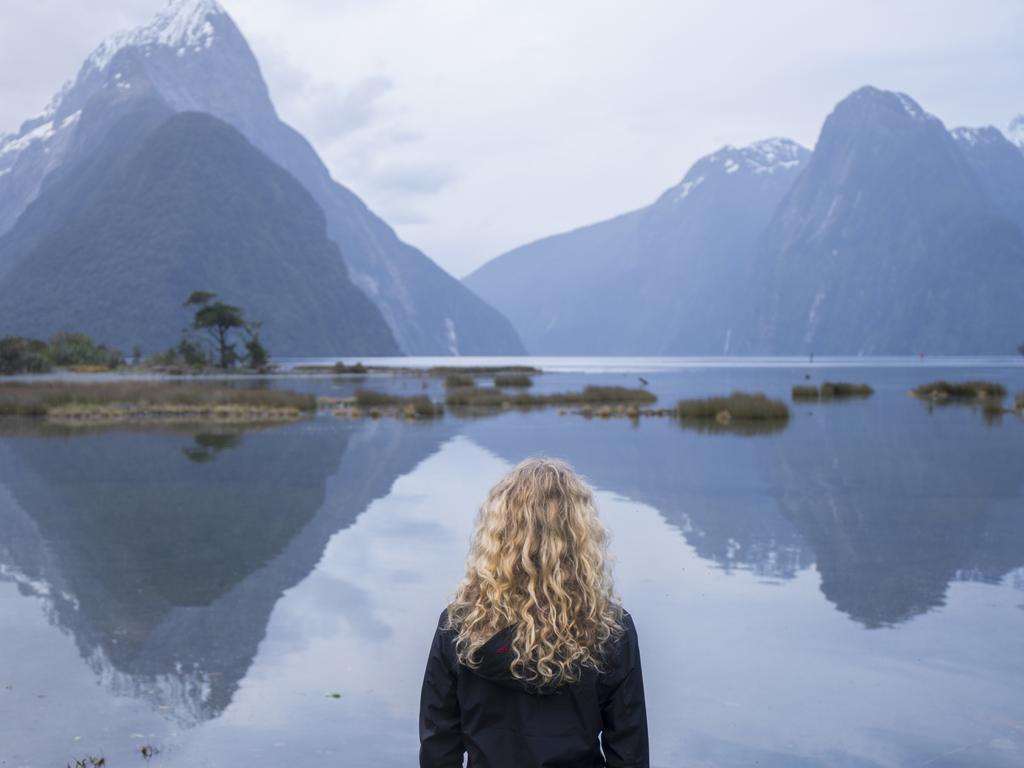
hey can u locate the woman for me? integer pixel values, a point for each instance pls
(535, 664)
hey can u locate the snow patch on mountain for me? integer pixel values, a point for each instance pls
(43, 132)
(18, 143)
(771, 155)
(183, 25)
(766, 156)
(1015, 132)
(971, 137)
(453, 338)
(911, 107)
(683, 190)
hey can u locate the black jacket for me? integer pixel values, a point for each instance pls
(501, 723)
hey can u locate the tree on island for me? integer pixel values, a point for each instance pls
(257, 354)
(221, 323)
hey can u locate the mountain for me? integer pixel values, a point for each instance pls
(1000, 167)
(659, 280)
(205, 548)
(887, 244)
(172, 203)
(1015, 131)
(194, 58)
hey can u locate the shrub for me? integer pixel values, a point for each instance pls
(456, 381)
(805, 393)
(367, 398)
(830, 389)
(513, 380)
(67, 349)
(481, 397)
(340, 367)
(960, 390)
(38, 398)
(479, 370)
(411, 405)
(591, 395)
(19, 354)
(738, 406)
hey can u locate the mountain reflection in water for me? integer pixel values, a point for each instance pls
(165, 556)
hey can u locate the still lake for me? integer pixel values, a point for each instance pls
(847, 591)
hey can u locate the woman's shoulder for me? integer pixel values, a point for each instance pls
(628, 626)
(623, 644)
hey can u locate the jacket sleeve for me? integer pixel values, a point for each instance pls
(623, 711)
(440, 725)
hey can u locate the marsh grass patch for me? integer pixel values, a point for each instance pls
(744, 412)
(149, 399)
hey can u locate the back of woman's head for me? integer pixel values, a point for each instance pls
(538, 560)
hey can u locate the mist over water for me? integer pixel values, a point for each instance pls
(848, 590)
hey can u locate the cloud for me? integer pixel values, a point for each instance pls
(326, 111)
(414, 179)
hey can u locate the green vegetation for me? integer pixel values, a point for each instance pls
(477, 370)
(1019, 401)
(960, 390)
(458, 380)
(838, 389)
(513, 380)
(805, 393)
(492, 397)
(340, 367)
(220, 321)
(73, 401)
(830, 390)
(19, 354)
(736, 407)
(992, 410)
(409, 406)
(473, 396)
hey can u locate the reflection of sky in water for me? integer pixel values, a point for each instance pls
(752, 565)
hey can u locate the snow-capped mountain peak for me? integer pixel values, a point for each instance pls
(767, 156)
(184, 25)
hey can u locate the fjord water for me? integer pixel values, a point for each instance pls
(847, 590)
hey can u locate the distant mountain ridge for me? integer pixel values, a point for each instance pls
(193, 58)
(895, 236)
(634, 284)
(887, 244)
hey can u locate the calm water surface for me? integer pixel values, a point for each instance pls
(847, 591)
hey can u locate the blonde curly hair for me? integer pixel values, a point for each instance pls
(538, 560)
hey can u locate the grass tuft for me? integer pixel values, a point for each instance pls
(410, 406)
(457, 380)
(960, 390)
(805, 393)
(837, 389)
(513, 380)
(736, 407)
(145, 398)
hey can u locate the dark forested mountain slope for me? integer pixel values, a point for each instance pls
(169, 204)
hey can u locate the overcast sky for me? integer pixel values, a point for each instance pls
(475, 126)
